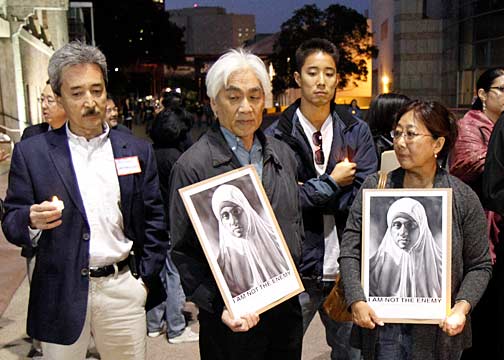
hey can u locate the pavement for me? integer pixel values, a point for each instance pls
(15, 344)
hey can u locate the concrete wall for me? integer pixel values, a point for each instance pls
(382, 15)
(35, 55)
(57, 27)
(418, 51)
(7, 88)
(24, 59)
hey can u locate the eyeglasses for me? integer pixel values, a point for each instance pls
(500, 88)
(319, 153)
(48, 100)
(409, 135)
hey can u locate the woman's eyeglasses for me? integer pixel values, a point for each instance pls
(500, 88)
(319, 153)
(409, 135)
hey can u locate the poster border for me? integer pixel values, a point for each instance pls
(446, 210)
(249, 170)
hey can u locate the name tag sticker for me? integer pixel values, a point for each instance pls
(127, 166)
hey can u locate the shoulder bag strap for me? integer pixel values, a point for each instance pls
(382, 180)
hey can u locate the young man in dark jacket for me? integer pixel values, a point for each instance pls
(335, 153)
(237, 84)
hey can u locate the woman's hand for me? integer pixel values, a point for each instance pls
(364, 316)
(455, 322)
(243, 324)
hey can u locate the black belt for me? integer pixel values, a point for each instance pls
(107, 269)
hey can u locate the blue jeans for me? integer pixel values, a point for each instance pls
(337, 333)
(394, 342)
(170, 311)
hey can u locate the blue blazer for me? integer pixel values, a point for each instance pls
(41, 167)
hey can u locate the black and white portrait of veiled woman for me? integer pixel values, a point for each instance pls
(408, 262)
(249, 252)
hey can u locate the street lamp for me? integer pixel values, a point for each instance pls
(386, 82)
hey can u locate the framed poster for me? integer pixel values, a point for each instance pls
(242, 241)
(406, 254)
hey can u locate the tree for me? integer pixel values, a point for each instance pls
(343, 26)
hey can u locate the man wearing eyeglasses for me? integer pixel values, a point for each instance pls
(335, 153)
(53, 114)
(112, 116)
(54, 117)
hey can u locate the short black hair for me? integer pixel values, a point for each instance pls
(484, 82)
(314, 45)
(382, 112)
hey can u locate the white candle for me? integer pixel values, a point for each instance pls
(58, 203)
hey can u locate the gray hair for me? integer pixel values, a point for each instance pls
(74, 53)
(233, 60)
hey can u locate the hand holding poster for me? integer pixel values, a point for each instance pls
(242, 241)
(406, 250)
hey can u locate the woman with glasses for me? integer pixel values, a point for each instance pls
(424, 132)
(467, 162)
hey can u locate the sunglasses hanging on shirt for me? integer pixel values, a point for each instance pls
(319, 153)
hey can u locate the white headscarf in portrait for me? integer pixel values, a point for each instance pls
(252, 259)
(407, 273)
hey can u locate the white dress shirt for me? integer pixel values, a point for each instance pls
(331, 242)
(94, 165)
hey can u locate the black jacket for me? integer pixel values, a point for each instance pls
(211, 156)
(35, 130)
(320, 195)
(171, 137)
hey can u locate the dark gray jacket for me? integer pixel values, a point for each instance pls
(471, 266)
(211, 156)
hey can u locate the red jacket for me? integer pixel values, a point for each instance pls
(467, 161)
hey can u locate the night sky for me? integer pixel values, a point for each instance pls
(270, 14)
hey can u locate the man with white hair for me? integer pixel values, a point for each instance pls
(236, 85)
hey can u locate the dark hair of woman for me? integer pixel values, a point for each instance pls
(484, 82)
(381, 114)
(171, 129)
(437, 119)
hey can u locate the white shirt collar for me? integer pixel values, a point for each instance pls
(98, 140)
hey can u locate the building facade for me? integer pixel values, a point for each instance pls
(212, 31)
(436, 49)
(30, 31)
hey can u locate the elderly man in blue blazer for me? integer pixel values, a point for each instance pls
(101, 244)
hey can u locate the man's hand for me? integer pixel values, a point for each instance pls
(45, 216)
(364, 316)
(344, 173)
(4, 155)
(243, 324)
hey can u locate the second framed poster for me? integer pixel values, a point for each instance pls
(406, 254)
